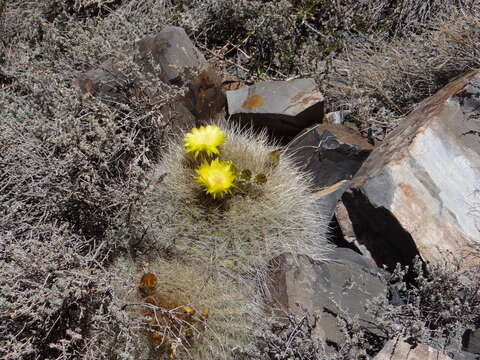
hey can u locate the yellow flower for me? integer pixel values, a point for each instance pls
(216, 177)
(205, 138)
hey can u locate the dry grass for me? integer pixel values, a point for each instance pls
(381, 81)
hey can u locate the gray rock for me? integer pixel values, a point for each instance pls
(341, 286)
(169, 57)
(284, 107)
(331, 153)
(471, 341)
(170, 54)
(418, 191)
(327, 199)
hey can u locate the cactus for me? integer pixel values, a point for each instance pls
(275, 213)
(183, 310)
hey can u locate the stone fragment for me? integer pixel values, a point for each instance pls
(170, 54)
(336, 117)
(419, 191)
(169, 57)
(284, 107)
(471, 341)
(343, 284)
(330, 152)
(327, 199)
(348, 232)
(398, 349)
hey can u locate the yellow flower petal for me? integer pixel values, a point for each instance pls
(216, 177)
(204, 139)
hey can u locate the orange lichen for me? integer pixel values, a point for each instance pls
(253, 102)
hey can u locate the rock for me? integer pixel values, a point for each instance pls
(170, 54)
(471, 341)
(284, 107)
(169, 57)
(418, 191)
(398, 349)
(180, 63)
(205, 98)
(348, 233)
(331, 153)
(327, 199)
(336, 117)
(327, 289)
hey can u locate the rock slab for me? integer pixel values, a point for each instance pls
(342, 285)
(284, 107)
(330, 152)
(419, 191)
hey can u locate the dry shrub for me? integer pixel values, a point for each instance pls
(280, 39)
(50, 295)
(70, 169)
(431, 304)
(291, 337)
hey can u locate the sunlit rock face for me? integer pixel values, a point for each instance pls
(419, 191)
(284, 107)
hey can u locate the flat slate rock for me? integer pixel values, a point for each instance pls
(284, 107)
(347, 281)
(330, 152)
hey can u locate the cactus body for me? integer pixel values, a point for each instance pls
(243, 231)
